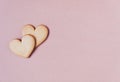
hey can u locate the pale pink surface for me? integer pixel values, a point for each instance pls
(83, 46)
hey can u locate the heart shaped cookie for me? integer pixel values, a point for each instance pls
(23, 47)
(40, 32)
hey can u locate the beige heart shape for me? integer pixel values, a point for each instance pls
(23, 47)
(40, 32)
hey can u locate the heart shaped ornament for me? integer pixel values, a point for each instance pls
(23, 47)
(40, 32)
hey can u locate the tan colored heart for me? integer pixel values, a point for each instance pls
(23, 47)
(40, 32)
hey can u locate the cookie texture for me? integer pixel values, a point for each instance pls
(40, 32)
(23, 47)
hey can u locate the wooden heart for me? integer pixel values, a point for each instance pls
(23, 47)
(40, 33)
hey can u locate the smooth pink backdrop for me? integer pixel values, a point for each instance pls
(83, 46)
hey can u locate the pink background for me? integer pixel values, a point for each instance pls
(83, 46)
